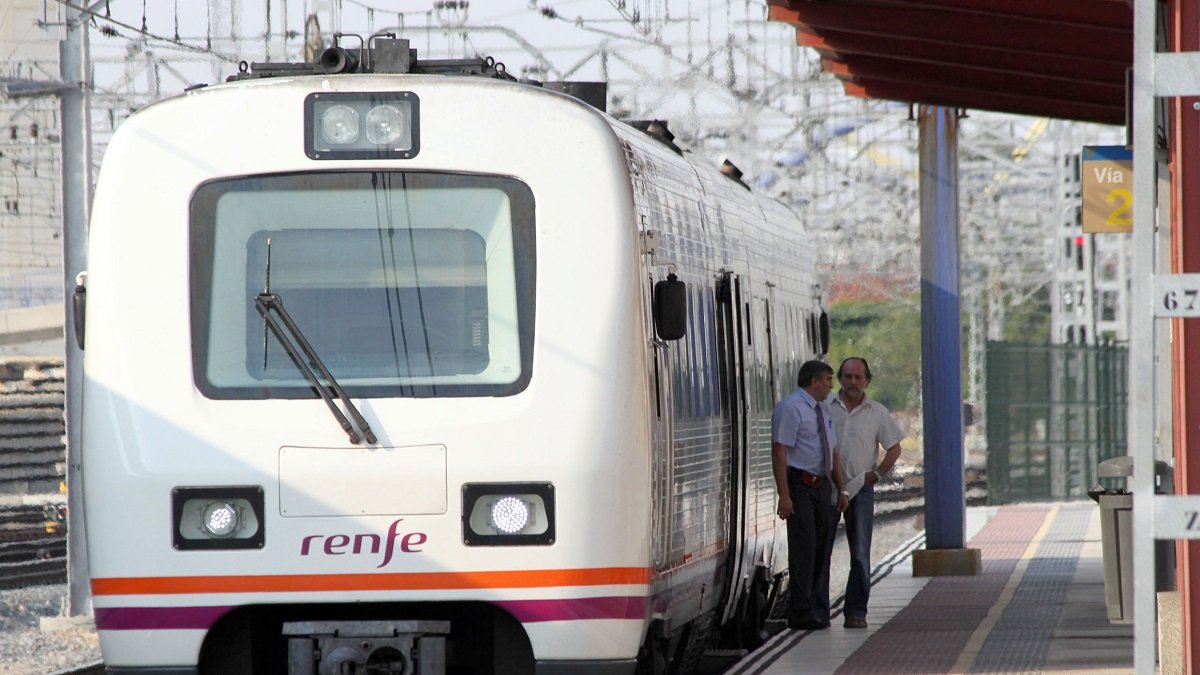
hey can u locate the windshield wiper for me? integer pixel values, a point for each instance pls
(264, 303)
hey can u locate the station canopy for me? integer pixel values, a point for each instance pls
(1065, 59)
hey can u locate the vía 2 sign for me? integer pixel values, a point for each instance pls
(1107, 188)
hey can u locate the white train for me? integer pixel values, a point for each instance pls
(500, 437)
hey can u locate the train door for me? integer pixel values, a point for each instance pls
(773, 393)
(662, 458)
(732, 333)
(761, 526)
(761, 480)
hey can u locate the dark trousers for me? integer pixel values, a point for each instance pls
(808, 547)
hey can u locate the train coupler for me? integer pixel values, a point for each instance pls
(366, 647)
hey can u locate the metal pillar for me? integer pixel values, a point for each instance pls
(76, 146)
(941, 378)
(1142, 410)
(1185, 258)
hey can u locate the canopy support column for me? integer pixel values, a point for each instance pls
(941, 374)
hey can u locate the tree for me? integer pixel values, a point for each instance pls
(888, 335)
(1030, 320)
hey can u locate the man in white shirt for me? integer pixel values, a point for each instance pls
(863, 426)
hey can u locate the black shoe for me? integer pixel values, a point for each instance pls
(809, 624)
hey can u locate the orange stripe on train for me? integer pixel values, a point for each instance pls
(279, 583)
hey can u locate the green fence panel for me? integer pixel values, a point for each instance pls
(1054, 412)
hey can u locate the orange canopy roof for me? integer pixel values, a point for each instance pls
(1054, 58)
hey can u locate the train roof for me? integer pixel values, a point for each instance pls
(387, 54)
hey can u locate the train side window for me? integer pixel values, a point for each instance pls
(670, 308)
(823, 332)
(799, 341)
(712, 369)
(810, 331)
(787, 348)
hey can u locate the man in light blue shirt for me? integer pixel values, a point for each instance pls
(807, 468)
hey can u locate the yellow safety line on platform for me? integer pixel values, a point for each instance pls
(970, 652)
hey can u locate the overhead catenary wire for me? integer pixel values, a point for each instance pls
(731, 88)
(144, 31)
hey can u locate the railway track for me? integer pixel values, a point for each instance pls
(96, 668)
(33, 528)
(33, 545)
(907, 497)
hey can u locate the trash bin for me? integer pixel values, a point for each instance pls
(1116, 537)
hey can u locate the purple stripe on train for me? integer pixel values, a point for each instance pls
(575, 609)
(525, 611)
(157, 618)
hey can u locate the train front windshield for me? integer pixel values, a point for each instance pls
(405, 284)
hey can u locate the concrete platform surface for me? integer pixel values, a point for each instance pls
(1037, 607)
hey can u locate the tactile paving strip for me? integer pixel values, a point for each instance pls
(930, 633)
(1019, 641)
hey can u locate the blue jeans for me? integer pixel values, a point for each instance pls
(860, 517)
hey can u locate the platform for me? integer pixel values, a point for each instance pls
(1038, 607)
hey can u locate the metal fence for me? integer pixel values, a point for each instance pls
(31, 288)
(1054, 412)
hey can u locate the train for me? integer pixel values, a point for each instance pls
(394, 365)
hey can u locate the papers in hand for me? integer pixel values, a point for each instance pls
(852, 486)
(855, 484)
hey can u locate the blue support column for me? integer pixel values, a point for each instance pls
(941, 370)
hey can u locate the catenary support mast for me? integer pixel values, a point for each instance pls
(77, 196)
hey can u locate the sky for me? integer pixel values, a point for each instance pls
(559, 37)
(730, 83)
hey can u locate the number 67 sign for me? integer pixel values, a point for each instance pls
(1177, 295)
(1107, 183)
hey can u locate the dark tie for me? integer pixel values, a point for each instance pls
(824, 440)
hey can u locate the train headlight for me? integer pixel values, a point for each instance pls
(217, 517)
(385, 124)
(362, 125)
(508, 514)
(339, 125)
(220, 519)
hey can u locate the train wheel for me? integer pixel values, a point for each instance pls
(652, 657)
(753, 613)
(693, 642)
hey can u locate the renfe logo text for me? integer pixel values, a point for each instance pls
(364, 544)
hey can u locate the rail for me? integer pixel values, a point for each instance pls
(33, 528)
(33, 545)
(96, 668)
